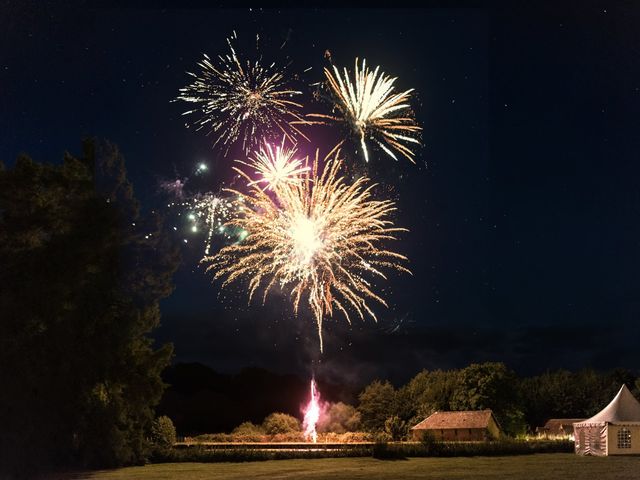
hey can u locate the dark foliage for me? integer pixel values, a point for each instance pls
(82, 273)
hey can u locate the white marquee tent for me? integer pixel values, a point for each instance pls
(613, 431)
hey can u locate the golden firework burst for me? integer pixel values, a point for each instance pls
(318, 239)
(242, 101)
(275, 165)
(373, 110)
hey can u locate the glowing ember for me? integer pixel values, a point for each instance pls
(312, 414)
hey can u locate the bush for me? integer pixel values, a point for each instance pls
(163, 433)
(395, 427)
(428, 441)
(288, 437)
(248, 428)
(356, 437)
(382, 437)
(249, 438)
(383, 451)
(280, 423)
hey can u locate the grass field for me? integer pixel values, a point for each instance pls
(529, 467)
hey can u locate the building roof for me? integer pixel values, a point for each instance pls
(556, 426)
(624, 408)
(447, 420)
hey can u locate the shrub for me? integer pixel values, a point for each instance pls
(288, 437)
(383, 451)
(382, 437)
(248, 438)
(356, 437)
(280, 423)
(395, 427)
(248, 428)
(428, 441)
(163, 433)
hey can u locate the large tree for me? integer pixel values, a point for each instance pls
(377, 403)
(81, 275)
(491, 385)
(426, 393)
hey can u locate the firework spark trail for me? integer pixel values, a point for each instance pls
(312, 414)
(275, 166)
(211, 212)
(369, 105)
(317, 239)
(242, 101)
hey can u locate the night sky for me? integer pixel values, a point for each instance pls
(523, 208)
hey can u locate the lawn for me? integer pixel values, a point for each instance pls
(529, 467)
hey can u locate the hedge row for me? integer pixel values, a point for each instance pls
(379, 450)
(201, 454)
(470, 449)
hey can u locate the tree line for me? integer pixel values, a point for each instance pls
(519, 404)
(197, 395)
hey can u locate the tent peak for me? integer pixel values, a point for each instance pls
(623, 408)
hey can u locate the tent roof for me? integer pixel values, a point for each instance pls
(623, 408)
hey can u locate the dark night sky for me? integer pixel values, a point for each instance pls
(524, 208)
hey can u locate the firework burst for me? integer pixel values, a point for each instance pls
(318, 239)
(241, 101)
(276, 166)
(373, 110)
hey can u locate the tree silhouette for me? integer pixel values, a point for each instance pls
(81, 275)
